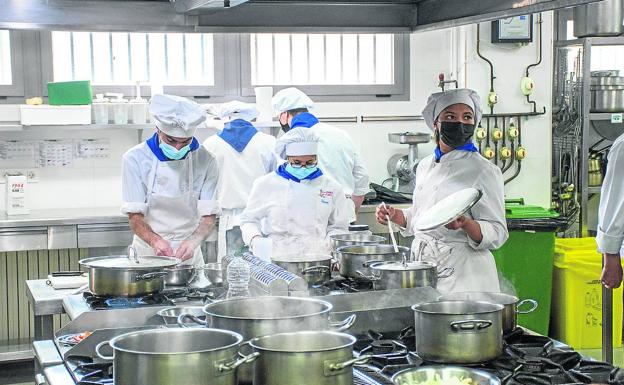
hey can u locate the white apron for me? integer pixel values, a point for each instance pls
(304, 216)
(473, 270)
(227, 221)
(173, 218)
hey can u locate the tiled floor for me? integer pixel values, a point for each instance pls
(20, 373)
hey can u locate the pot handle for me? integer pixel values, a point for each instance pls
(230, 366)
(345, 324)
(470, 324)
(145, 277)
(132, 254)
(314, 269)
(193, 318)
(368, 263)
(530, 310)
(371, 277)
(446, 272)
(98, 347)
(330, 366)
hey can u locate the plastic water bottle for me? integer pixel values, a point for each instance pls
(238, 276)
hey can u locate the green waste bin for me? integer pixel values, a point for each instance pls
(525, 261)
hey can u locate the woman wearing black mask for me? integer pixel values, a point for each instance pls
(456, 164)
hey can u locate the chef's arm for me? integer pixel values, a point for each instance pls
(357, 201)
(360, 175)
(145, 232)
(488, 228)
(252, 215)
(338, 221)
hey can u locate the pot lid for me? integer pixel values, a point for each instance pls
(123, 262)
(448, 209)
(402, 266)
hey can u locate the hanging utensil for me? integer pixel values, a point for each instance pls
(394, 242)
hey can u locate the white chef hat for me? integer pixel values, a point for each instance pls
(238, 110)
(290, 99)
(176, 116)
(296, 142)
(440, 100)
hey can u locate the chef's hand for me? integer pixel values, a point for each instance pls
(186, 250)
(161, 247)
(611, 276)
(395, 215)
(458, 223)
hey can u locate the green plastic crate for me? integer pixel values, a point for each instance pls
(70, 93)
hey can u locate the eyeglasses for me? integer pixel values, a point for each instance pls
(307, 165)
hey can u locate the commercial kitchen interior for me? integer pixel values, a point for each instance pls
(370, 67)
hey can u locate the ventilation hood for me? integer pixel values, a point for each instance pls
(264, 15)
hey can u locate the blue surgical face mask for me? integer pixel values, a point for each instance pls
(300, 173)
(173, 153)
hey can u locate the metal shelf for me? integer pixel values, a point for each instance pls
(613, 40)
(90, 127)
(16, 350)
(602, 115)
(594, 190)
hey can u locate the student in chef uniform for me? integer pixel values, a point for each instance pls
(243, 154)
(338, 156)
(169, 184)
(465, 243)
(298, 207)
(611, 216)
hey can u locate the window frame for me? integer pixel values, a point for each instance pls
(397, 91)
(17, 67)
(218, 90)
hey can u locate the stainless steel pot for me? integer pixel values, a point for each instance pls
(170, 315)
(214, 273)
(314, 268)
(172, 356)
(417, 376)
(511, 304)
(180, 275)
(461, 332)
(353, 239)
(607, 98)
(127, 276)
(404, 275)
(602, 18)
(355, 260)
(307, 357)
(260, 316)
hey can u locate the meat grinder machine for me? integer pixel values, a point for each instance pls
(402, 168)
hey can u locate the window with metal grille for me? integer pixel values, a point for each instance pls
(6, 74)
(121, 58)
(322, 59)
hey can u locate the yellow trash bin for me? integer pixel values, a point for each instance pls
(576, 316)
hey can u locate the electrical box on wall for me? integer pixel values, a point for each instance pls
(518, 29)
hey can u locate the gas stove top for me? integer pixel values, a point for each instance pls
(169, 297)
(527, 360)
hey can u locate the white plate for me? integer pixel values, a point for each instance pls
(448, 209)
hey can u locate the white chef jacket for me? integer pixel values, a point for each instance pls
(298, 217)
(611, 211)
(473, 264)
(137, 165)
(338, 157)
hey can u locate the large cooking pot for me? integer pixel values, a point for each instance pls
(307, 357)
(197, 356)
(314, 268)
(461, 332)
(446, 374)
(602, 18)
(511, 304)
(607, 98)
(403, 275)
(355, 260)
(353, 239)
(180, 275)
(127, 276)
(260, 316)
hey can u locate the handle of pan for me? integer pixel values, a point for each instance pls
(446, 272)
(471, 324)
(99, 353)
(147, 276)
(193, 318)
(230, 366)
(345, 324)
(530, 310)
(336, 366)
(315, 269)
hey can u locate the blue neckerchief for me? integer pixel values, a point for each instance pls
(281, 171)
(238, 133)
(470, 147)
(304, 119)
(153, 143)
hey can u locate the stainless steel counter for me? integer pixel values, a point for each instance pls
(64, 217)
(45, 301)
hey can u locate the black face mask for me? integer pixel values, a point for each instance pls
(455, 134)
(285, 127)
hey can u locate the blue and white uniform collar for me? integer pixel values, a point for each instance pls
(153, 144)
